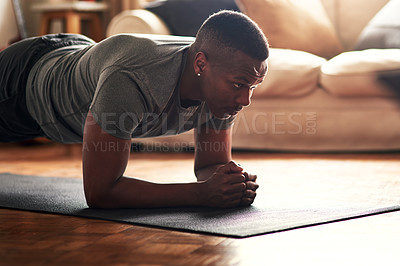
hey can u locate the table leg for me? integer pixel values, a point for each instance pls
(73, 22)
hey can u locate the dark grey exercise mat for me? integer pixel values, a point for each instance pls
(65, 196)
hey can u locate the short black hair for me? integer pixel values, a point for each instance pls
(235, 30)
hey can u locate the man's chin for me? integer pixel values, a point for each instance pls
(224, 116)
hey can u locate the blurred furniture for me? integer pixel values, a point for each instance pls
(132, 4)
(12, 25)
(72, 13)
(320, 93)
(137, 21)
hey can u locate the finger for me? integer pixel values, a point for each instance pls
(232, 167)
(235, 178)
(250, 177)
(252, 185)
(234, 196)
(246, 201)
(249, 194)
(238, 187)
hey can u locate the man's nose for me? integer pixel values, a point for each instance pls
(244, 97)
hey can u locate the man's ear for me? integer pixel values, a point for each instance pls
(200, 63)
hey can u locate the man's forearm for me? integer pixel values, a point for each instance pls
(205, 173)
(136, 193)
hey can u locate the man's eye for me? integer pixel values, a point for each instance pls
(237, 85)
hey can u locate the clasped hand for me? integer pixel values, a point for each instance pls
(229, 187)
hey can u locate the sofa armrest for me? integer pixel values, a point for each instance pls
(137, 21)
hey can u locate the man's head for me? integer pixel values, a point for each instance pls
(230, 54)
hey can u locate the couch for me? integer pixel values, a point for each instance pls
(323, 91)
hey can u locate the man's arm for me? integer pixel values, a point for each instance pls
(104, 161)
(212, 151)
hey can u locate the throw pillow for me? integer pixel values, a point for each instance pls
(184, 17)
(303, 69)
(356, 73)
(294, 24)
(383, 31)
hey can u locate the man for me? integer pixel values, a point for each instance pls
(70, 89)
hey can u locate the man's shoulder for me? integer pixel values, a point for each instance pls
(149, 40)
(153, 63)
(139, 50)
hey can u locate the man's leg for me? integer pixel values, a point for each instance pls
(16, 124)
(16, 62)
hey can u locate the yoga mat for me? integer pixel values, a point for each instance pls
(65, 196)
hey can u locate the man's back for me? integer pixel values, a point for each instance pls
(63, 84)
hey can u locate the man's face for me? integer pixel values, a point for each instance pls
(228, 85)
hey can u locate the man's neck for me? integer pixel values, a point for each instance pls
(189, 86)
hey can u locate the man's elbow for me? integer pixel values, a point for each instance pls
(94, 202)
(97, 199)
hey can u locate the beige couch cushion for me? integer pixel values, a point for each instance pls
(355, 73)
(291, 73)
(137, 21)
(294, 24)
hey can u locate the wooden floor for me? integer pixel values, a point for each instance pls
(28, 238)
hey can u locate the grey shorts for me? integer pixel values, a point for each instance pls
(16, 124)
